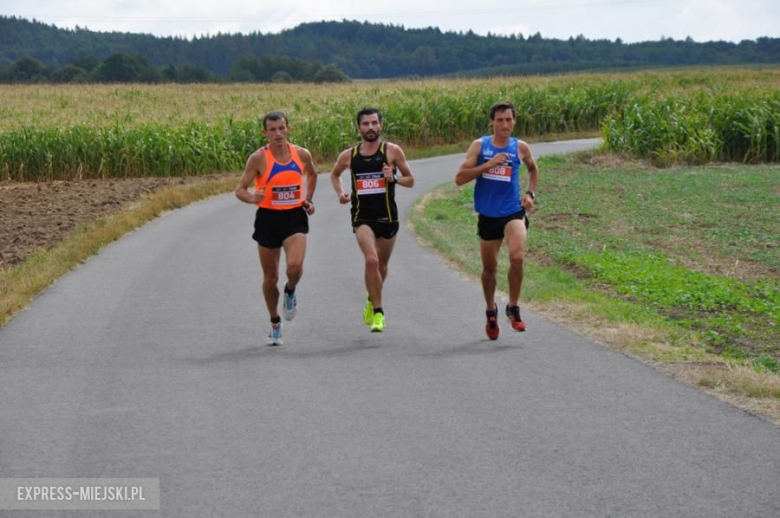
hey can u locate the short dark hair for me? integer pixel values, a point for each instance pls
(275, 116)
(368, 111)
(501, 106)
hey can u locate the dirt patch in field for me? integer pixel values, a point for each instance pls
(37, 216)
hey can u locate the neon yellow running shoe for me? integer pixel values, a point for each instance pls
(368, 313)
(378, 324)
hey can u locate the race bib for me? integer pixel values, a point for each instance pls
(501, 173)
(286, 195)
(370, 183)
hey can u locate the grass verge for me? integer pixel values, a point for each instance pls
(21, 283)
(675, 266)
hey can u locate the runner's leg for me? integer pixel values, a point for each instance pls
(384, 249)
(294, 253)
(489, 252)
(269, 262)
(515, 234)
(368, 245)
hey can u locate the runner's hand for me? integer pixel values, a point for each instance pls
(388, 172)
(344, 198)
(528, 203)
(499, 159)
(258, 196)
(308, 207)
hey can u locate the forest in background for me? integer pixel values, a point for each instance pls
(32, 51)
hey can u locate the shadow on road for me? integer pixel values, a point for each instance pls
(476, 347)
(285, 351)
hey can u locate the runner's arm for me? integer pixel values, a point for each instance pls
(524, 150)
(397, 159)
(341, 165)
(255, 164)
(469, 170)
(310, 169)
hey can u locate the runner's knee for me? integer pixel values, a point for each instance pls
(294, 270)
(372, 261)
(489, 266)
(488, 272)
(516, 259)
(271, 278)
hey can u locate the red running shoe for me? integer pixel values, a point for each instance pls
(513, 314)
(491, 327)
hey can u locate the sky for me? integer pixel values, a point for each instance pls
(629, 20)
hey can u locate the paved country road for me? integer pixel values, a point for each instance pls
(148, 362)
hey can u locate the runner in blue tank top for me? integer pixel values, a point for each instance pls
(494, 161)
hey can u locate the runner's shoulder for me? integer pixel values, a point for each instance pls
(476, 145)
(393, 148)
(523, 148)
(345, 155)
(256, 160)
(302, 151)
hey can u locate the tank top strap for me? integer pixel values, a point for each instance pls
(271, 160)
(296, 157)
(382, 149)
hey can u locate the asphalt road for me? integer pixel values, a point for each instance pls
(149, 362)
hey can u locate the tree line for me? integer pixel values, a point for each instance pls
(358, 50)
(135, 68)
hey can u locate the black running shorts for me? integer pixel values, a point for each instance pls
(382, 229)
(272, 227)
(491, 229)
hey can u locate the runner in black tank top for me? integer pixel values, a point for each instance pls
(374, 167)
(373, 196)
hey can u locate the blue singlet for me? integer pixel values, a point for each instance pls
(497, 191)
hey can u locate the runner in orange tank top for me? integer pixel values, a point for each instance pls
(281, 182)
(284, 177)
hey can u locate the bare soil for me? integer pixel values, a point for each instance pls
(37, 216)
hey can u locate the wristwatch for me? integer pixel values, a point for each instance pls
(532, 194)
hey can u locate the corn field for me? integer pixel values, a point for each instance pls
(102, 131)
(699, 129)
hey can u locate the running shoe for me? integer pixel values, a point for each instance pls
(513, 314)
(289, 307)
(491, 327)
(368, 312)
(275, 335)
(378, 324)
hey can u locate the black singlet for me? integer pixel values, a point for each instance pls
(373, 197)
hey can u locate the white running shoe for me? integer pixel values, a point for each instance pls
(275, 335)
(289, 307)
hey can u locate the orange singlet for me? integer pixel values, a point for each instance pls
(283, 182)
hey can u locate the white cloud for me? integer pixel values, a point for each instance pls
(630, 20)
(706, 20)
